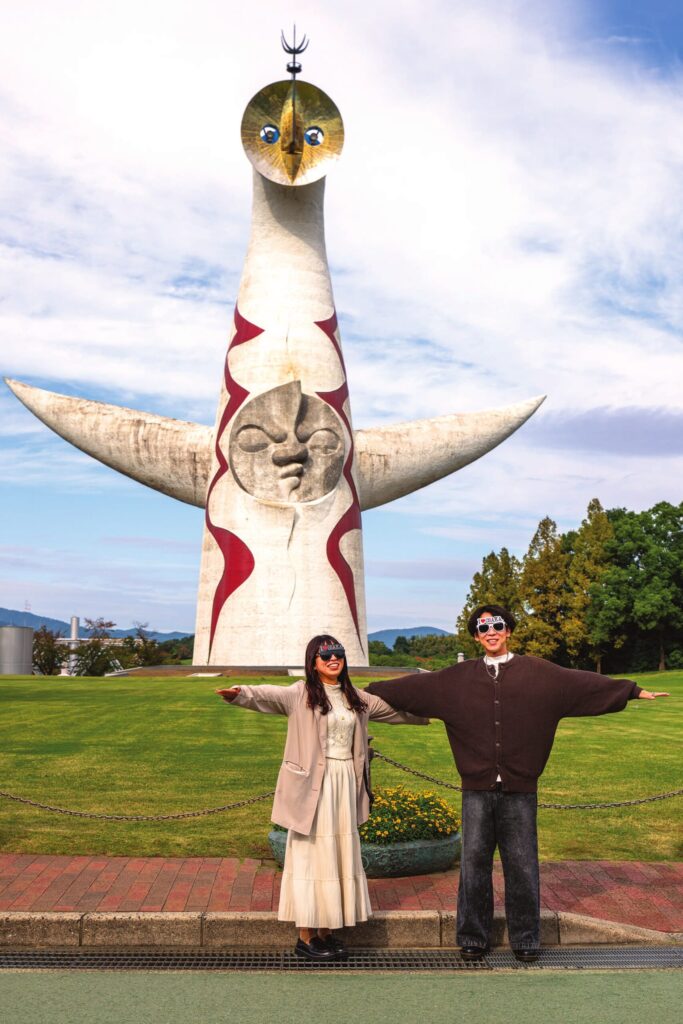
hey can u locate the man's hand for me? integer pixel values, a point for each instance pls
(646, 695)
(229, 695)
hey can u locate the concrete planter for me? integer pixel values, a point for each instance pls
(419, 857)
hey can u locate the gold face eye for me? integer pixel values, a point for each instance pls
(292, 132)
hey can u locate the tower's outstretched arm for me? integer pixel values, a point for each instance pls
(171, 456)
(399, 459)
(174, 456)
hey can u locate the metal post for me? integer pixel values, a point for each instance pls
(73, 646)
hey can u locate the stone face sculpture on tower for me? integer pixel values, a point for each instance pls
(282, 475)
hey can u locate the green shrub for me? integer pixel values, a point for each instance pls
(399, 816)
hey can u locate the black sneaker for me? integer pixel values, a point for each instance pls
(316, 949)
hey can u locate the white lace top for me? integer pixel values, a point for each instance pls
(341, 721)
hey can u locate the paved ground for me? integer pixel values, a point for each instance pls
(52, 997)
(649, 895)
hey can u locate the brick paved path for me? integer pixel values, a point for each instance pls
(630, 892)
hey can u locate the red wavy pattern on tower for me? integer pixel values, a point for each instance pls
(238, 561)
(351, 519)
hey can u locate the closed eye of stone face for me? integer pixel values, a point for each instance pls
(255, 439)
(324, 441)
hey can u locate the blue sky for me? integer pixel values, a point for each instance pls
(505, 221)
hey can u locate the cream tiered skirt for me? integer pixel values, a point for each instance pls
(323, 881)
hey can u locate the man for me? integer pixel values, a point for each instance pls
(501, 712)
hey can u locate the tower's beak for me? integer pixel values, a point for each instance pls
(291, 139)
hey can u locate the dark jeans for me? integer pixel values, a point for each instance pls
(508, 821)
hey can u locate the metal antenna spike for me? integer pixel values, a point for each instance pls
(294, 49)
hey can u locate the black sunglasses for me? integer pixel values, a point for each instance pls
(484, 627)
(327, 653)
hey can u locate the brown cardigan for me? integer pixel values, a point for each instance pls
(506, 726)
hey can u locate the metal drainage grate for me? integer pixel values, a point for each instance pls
(232, 960)
(618, 958)
(591, 957)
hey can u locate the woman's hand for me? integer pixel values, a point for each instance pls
(229, 695)
(646, 695)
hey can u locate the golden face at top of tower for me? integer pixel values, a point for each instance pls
(292, 132)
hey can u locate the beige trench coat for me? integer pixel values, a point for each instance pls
(303, 764)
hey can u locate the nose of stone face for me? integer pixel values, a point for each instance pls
(290, 451)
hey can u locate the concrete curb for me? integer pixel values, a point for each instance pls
(386, 929)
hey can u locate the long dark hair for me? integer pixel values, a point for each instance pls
(316, 696)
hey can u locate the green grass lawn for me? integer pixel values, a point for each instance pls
(147, 746)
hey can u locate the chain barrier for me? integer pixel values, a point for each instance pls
(552, 807)
(138, 817)
(267, 796)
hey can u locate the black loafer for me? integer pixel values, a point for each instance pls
(527, 956)
(337, 946)
(473, 953)
(316, 949)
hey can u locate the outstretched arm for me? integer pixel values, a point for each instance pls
(421, 694)
(380, 711)
(590, 693)
(648, 695)
(269, 699)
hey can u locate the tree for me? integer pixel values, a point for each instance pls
(642, 590)
(141, 649)
(497, 582)
(96, 656)
(587, 550)
(433, 645)
(658, 603)
(542, 590)
(48, 655)
(613, 589)
(401, 645)
(177, 650)
(99, 628)
(377, 647)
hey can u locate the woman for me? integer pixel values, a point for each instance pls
(322, 793)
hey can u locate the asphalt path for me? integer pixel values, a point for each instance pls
(518, 997)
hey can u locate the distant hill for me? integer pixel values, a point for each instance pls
(9, 617)
(388, 636)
